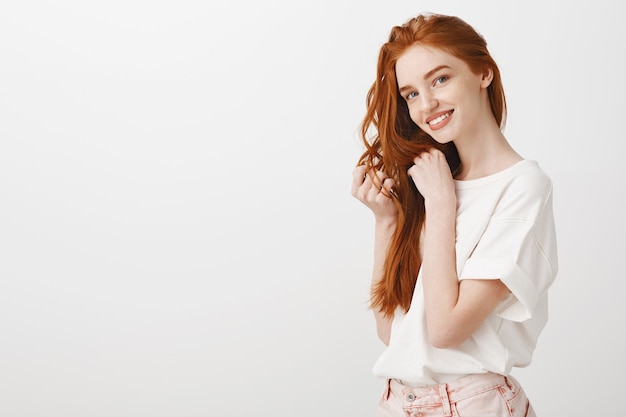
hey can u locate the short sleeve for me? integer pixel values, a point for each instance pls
(518, 246)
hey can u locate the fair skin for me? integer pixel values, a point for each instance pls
(450, 103)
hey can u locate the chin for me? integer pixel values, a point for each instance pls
(442, 139)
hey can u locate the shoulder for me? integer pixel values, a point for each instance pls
(525, 191)
(520, 191)
(525, 178)
(528, 178)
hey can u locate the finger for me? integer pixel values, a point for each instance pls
(358, 173)
(387, 187)
(362, 186)
(389, 183)
(379, 178)
(410, 171)
(375, 181)
(381, 181)
(413, 170)
(421, 158)
(435, 152)
(358, 178)
(367, 179)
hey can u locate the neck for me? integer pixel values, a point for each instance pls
(485, 152)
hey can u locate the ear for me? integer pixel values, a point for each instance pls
(487, 77)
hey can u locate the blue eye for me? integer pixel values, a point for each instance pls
(441, 79)
(411, 96)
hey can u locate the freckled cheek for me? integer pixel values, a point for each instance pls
(415, 116)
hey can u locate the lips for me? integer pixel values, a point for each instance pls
(439, 120)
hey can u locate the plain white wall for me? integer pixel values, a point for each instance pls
(177, 235)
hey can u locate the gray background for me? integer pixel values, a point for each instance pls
(177, 235)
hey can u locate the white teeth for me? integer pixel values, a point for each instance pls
(439, 119)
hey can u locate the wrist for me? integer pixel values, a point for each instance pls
(387, 222)
(440, 205)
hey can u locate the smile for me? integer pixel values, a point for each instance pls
(439, 121)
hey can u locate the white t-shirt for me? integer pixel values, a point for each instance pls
(504, 230)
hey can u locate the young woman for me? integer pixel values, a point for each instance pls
(465, 246)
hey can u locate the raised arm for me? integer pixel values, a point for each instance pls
(373, 189)
(453, 310)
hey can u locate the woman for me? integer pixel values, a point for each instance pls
(465, 246)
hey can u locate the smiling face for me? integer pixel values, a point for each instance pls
(444, 97)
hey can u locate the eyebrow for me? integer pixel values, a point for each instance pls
(426, 76)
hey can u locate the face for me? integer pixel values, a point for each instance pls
(445, 98)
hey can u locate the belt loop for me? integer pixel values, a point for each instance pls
(445, 400)
(508, 383)
(387, 390)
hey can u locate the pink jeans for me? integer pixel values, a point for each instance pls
(480, 395)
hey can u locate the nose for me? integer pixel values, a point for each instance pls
(428, 102)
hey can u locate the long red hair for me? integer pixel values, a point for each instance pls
(392, 140)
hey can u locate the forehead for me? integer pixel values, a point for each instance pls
(418, 60)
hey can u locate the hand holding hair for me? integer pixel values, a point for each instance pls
(432, 177)
(374, 189)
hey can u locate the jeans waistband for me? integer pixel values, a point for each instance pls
(453, 391)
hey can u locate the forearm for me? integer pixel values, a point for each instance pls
(384, 230)
(440, 280)
(454, 309)
(374, 189)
